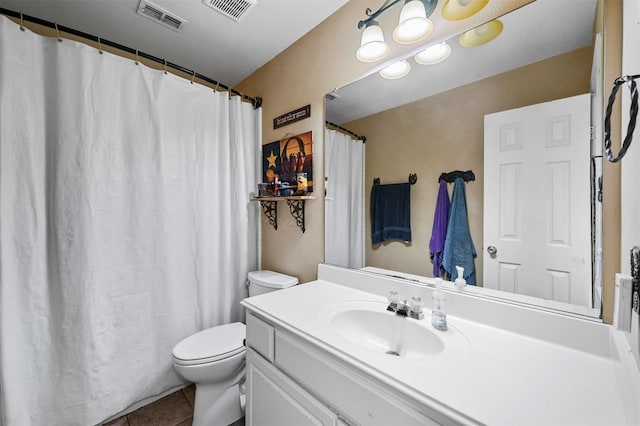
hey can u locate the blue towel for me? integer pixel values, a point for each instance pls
(439, 230)
(391, 212)
(458, 247)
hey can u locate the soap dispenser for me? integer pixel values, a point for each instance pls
(460, 281)
(438, 315)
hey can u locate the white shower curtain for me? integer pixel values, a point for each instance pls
(344, 205)
(125, 225)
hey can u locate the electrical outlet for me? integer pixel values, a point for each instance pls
(622, 302)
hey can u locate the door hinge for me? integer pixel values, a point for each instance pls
(600, 188)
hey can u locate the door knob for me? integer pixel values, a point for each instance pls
(492, 250)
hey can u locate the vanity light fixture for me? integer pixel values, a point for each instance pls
(413, 25)
(456, 10)
(372, 47)
(396, 70)
(434, 54)
(482, 34)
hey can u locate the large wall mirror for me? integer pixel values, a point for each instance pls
(437, 119)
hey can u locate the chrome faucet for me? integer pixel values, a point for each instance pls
(401, 308)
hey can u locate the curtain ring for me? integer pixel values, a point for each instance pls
(99, 46)
(58, 31)
(165, 66)
(217, 85)
(137, 60)
(193, 77)
(21, 22)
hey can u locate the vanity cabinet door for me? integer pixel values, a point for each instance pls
(273, 399)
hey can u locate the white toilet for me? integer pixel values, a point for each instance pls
(214, 360)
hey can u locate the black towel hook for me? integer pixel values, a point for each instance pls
(452, 176)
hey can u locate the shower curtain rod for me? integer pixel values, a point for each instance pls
(347, 131)
(256, 102)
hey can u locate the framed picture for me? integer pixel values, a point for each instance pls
(289, 159)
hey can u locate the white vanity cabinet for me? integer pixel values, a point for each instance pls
(304, 384)
(272, 397)
(311, 361)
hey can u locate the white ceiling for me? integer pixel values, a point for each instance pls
(210, 43)
(538, 30)
(220, 48)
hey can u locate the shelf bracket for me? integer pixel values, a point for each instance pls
(270, 210)
(296, 207)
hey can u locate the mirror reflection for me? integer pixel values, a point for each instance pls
(533, 217)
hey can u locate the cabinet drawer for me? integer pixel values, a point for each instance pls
(260, 336)
(274, 399)
(364, 401)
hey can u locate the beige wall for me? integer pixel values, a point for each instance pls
(324, 60)
(445, 132)
(299, 76)
(321, 61)
(612, 12)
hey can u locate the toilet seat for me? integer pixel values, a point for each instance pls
(210, 345)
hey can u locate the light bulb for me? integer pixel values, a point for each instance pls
(482, 34)
(413, 24)
(456, 10)
(481, 30)
(434, 54)
(396, 70)
(372, 45)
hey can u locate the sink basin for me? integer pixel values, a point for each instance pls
(387, 333)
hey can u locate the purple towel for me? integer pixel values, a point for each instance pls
(439, 231)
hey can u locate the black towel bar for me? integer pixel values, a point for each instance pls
(413, 178)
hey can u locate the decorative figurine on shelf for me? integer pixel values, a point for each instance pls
(302, 184)
(276, 186)
(285, 190)
(264, 190)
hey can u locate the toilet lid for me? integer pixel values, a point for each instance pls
(271, 279)
(212, 344)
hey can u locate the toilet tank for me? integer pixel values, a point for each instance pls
(265, 281)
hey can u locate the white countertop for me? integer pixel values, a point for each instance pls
(496, 377)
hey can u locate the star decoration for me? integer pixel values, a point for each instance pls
(271, 159)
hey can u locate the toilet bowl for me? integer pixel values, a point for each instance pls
(214, 359)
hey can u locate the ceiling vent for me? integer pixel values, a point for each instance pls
(160, 15)
(233, 9)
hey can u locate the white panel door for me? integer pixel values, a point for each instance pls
(630, 196)
(537, 201)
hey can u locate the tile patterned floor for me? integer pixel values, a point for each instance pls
(175, 409)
